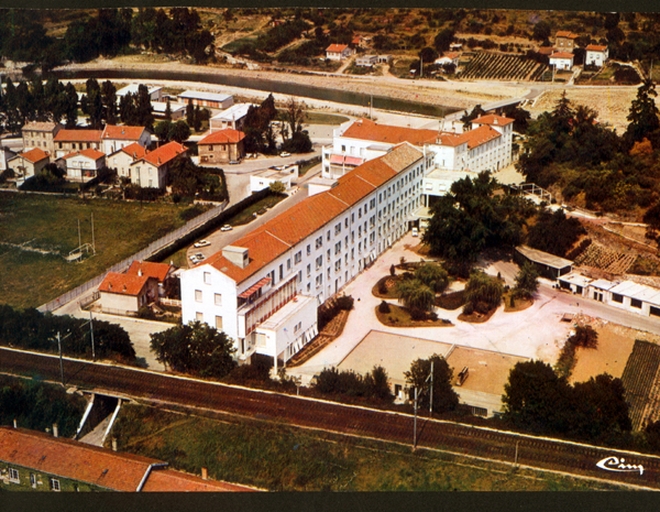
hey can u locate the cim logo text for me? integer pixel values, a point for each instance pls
(619, 465)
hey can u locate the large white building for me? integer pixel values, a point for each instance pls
(263, 291)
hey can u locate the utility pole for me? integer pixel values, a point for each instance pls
(59, 348)
(431, 398)
(79, 237)
(93, 240)
(91, 332)
(415, 423)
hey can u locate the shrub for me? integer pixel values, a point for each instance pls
(382, 287)
(345, 302)
(384, 307)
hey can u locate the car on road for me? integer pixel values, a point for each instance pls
(202, 243)
(285, 154)
(196, 258)
(226, 227)
(415, 232)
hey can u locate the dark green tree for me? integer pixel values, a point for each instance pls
(542, 31)
(70, 106)
(643, 114)
(143, 110)
(554, 232)
(467, 119)
(483, 293)
(416, 296)
(444, 397)
(190, 113)
(93, 104)
(443, 40)
(168, 110)
(433, 276)
(195, 348)
(109, 100)
(527, 281)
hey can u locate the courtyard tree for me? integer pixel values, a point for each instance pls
(444, 397)
(527, 281)
(433, 276)
(195, 348)
(483, 293)
(295, 139)
(416, 296)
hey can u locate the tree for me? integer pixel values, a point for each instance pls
(542, 31)
(190, 113)
(536, 399)
(179, 131)
(195, 348)
(444, 397)
(427, 55)
(585, 336)
(527, 281)
(128, 109)
(277, 187)
(643, 114)
(168, 110)
(294, 115)
(162, 130)
(416, 296)
(554, 232)
(467, 119)
(433, 276)
(483, 293)
(443, 40)
(109, 100)
(143, 109)
(93, 104)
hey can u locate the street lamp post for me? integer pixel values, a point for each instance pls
(415, 423)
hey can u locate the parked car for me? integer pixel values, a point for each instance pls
(200, 256)
(226, 227)
(202, 243)
(415, 232)
(285, 154)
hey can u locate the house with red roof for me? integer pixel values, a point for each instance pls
(36, 461)
(122, 159)
(28, 163)
(115, 138)
(222, 146)
(338, 52)
(68, 141)
(263, 290)
(562, 61)
(83, 164)
(565, 41)
(40, 135)
(150, 170)
(355, 142)
(596, 55)
(125, 294)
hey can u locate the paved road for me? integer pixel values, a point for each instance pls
(471, 441)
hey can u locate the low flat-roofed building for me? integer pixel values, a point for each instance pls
(155, 93)
(177, 110)
(233, 117)
(263, 179)
(577, 283)
(549, 265)
(635, 297)
(366, 61)
(480, 376)
(600, 290)
(207, 99)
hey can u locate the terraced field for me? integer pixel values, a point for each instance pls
(497, 66)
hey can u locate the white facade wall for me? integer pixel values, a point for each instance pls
(346, 146)
(596, 58)
(561, 64)
(77, 165)
(111, 145)
(122, 162)
(145, 174)
(321, 264)
(116, 302)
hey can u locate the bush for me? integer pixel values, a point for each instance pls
(382, 287)
(384, 307)
(345, 302)
(372, 386)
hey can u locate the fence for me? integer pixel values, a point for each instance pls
(149, 251)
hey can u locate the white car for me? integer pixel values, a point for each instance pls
(415, 232)
(285, 154)
(202, 243)
(226, 227)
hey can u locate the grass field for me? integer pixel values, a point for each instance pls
(282, 458)
(38, 231)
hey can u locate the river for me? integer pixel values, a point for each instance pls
(292, 88)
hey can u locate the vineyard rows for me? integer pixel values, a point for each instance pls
(611, 261)
(496, 66)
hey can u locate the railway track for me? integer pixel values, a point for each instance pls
(629, 468)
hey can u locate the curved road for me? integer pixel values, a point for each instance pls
(487, 444)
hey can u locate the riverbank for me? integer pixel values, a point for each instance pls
(455, 95)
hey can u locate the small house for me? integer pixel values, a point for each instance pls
(233, 117)
(151, 169)
(222, 146)
(83, 164)
(338, 52)
(565, 40)
(548, 265)
(114, 137)
(366, 61)
(68, 141)
(562, 61)
(596, 55)
(28, 163)
(125, 294)
(40, 135)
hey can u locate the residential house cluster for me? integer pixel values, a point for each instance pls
(264, 289)
(562, 54)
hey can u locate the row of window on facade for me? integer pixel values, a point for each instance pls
(15, 477)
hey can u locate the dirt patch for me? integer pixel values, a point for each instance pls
(615, 343)
(477, 318)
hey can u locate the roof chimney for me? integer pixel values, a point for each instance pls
(109, 286)
(236, 255)
(140, 272)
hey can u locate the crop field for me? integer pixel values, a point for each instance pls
(495, 66)
(37, 232)
(609, 260)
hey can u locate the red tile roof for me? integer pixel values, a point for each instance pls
(65, 458)
(366, 129)
(123, 132)
(158, 271)
(547, 50)
(73, 460)
(34, 155)
(567, 34)
(89, 153)
(164, 154)
(562, 55)
(596, 48)
(279, 234)
(336, 48)
(78, 136)
(123, 284)
(479, 136)
(134, 150)
(168, 480)
(226, 136)
(493, 119)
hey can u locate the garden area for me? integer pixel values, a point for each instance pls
(39, 231)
